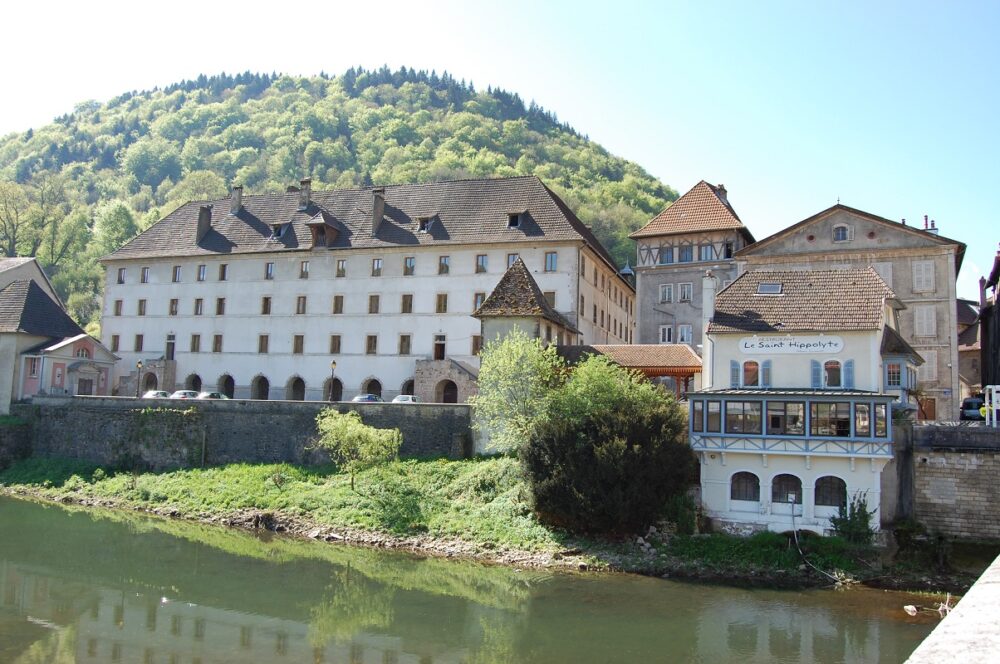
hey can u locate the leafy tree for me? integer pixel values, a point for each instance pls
(516, 377)
(114, 225)
(853, 520)
(611, 453)
(14, 206)
(353, 445)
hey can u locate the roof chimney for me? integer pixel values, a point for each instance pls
(932, 228)
(982, 293)
(709, 284)
(204, 221)
(236, 200)
(378, 208)
(723, 193)
(305, 191)
(925, 222)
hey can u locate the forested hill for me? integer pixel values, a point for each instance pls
(78, 188)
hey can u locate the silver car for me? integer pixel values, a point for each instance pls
(184, 394)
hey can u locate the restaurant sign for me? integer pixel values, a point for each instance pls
(790, 344)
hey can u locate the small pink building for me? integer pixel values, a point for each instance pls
(74, 365)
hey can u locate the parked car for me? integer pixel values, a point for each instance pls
(156, 394)
(212, 395)
(971, 408)
(367, 397)
(405, 398)
(184, 394)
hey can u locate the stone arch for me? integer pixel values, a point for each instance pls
(149, 382)
(372, 386)
(193, 382)
(260, 388)
(784, 484)
(830, 491)
(446, 391)
(745, 486)
(407, 387)
(295, 389)
(226, 385)
(338, 390)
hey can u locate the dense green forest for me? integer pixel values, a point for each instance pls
(78, 188)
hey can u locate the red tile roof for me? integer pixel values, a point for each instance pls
(517, 294)
(704, 208)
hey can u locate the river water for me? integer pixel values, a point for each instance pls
(93, 586)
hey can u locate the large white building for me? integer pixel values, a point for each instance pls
(259, 295)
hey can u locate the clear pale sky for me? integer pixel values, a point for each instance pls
(890, 106)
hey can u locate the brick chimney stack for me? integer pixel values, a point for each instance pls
(236, 200)
(378, 208)
(305, 193)
(204, 221)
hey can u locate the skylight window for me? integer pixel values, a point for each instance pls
(768, 289)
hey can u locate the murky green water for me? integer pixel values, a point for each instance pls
(83, 586)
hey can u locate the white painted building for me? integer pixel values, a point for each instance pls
(795, 416)
(256, 296)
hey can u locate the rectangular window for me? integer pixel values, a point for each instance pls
(304, 270)
(265, 305)
(338, 304)
(666, 293)
(263, 341)
(269, 270)
(743, 417)
(551, 261)
(594, 315)
(342, 267)
(371, 344)
(443, 264)
(706, 252)
(923, 276)
(172, 309)
(300, 304)
(480, 263)
(176, 275)
(511, 259)
(697, 415)
(686, 254)
(583, 305)
(115, 341)
(830, 419)
(550, 297)
(409, 266)
(928, 371)
(729, 249)
(666, 255)
(893, 374)
(217, 343)
(138, 343)
(195, 343)
(373, 303)
(144, 275)
(786, 418)
(404, 344)
(223, 272)
(666, 334)
(684, 292)
(862, 419)
(199, 306)
(334, 344)
(376, 267)
(925, 320)
(881, 420)
(141, 309)
(683, 334)
(118, 307)
(121, 275)
(220, 306)
(885, 271)
(713, 417)
(298, 342)
(201, 272)
(477, 300)
(406, 304)
(583, 266)
(477, 344)
(442, 303)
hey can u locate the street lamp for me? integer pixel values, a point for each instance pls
(138, 377)
(333, 371)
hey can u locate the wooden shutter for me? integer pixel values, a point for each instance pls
(734, 373)
(817, 374)
(849, 375)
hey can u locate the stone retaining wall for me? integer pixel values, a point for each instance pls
(163, 434)
(15, 443)
(957, 493)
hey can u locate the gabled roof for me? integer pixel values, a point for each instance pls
(759, 246)
(25, 307)
(894, 344)
(10, 263)
(463, 212)
(967, 310)
(517, 295)
(809, 300)
(704, 208)
(638, 356)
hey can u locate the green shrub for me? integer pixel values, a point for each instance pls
(681, 512)
(353, 445)
(610, 453)
(853, 521)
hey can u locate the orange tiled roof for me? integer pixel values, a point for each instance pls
(703, 208)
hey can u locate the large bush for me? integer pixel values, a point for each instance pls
(352, 444)
(610, 453)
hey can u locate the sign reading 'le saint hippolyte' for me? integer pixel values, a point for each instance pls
(791, 344)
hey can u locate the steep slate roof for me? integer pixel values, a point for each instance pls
(461, 212)
(25, 307)
(811, 300)
(517, 294)
(893, 344)
(968, 339)
(9, 263)
(704, 208)
(967, 310)
(895, 225)
(635, 356)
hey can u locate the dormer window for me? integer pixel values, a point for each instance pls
(514, 219)
(277, 230)
(843, 233)
(768, 289)
(424, 224)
